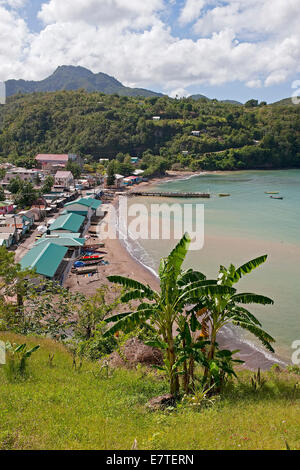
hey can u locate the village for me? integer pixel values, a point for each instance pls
(57, 235)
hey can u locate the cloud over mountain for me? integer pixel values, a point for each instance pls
(156, 43)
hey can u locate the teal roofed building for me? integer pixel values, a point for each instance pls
(69, 242)
(72, 223)
(47, 259)
(84, 206)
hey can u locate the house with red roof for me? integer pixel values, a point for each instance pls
(55, 162)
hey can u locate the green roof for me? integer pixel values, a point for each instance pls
(62, 241)
(71, 222)
(44, 259)
(63, 235)
(86, 201)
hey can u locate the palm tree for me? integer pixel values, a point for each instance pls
(163, 310)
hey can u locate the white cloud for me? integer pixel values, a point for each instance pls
(191, 11)
(254, 84)
(178, 93)
(12, 46)
(253, 41)
(133, 13)
(13, 3)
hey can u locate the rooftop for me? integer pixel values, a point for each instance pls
(87, 202)
(63, 174)
(44, 259)
(70, 222)
(52, 157)
(61, 241)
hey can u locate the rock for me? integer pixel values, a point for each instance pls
(162, 402)
(135, 352)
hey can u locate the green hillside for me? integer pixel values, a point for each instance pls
(101, 126)
(59, 407)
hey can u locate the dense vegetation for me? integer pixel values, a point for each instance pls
(96, 126)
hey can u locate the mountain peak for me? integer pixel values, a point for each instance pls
(71, 77)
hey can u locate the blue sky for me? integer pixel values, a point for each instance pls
(234, 49)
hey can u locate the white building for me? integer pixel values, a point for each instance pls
(64, 179)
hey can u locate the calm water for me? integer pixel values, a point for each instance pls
(242, 227)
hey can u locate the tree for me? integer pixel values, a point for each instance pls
(111, 174)
(15, 185)
(2, 194)
(48, 184)
(13, 284)
(26, 195)
(164, 308)
(74, 168)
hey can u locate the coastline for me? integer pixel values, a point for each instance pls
(123, 257)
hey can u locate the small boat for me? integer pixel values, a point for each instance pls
(224, 195)
(91, 258)
(274, 197)
(272, 192)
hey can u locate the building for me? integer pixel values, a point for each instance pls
(47, 260)
(87, 207)
(18, 222)
(68, 223)
(55, 162)
(119, 181)
(68, 240)
(63, 179)
(23, 173)
(6, 207)
(8, 236)
(6, 239)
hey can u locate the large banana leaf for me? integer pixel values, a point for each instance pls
(132, 284)
(177, 256)
(115, 318)
(247, 298)
(134, 295)
(196, 294)
(244, 313)
(130, 321)
(264, 337)
(248, 267)
(190, 276)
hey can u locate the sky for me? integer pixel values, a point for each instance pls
(234, 49)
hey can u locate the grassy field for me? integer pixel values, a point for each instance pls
(58, 407)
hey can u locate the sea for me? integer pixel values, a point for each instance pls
(237, 228)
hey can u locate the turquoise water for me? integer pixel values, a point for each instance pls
(241, 227)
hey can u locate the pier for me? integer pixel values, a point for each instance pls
(169, 194)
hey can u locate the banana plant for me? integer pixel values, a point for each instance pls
(19, 356)
(229, 308)
(162, 310)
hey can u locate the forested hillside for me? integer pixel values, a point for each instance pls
(101, 126)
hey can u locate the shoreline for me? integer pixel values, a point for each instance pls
(123, 262)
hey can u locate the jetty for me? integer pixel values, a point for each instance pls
(178, 194)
